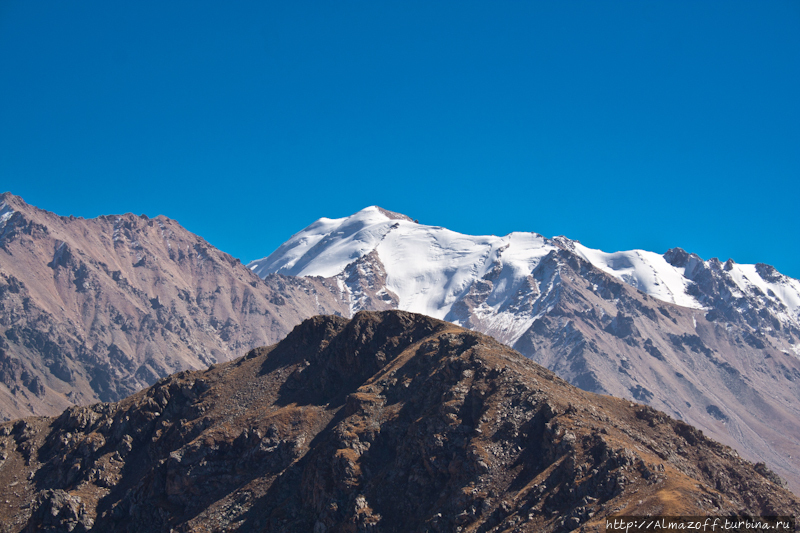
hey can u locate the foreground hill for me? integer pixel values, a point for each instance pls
(97, 309)
(714, 344)
(387, 422)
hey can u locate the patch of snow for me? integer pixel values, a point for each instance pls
(647, 271)
(505, 325)
(345, 294)
(5, 213)
(115, 236)
(786, 290)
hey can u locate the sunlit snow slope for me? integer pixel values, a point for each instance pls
(655, 275)
(429, 267)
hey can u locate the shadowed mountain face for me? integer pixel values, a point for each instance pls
(387, 422)
(714, 344)
(98, 309)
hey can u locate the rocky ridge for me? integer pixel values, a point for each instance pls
(387, 422)
(94, 310)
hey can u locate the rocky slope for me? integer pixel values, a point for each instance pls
(98, 309)
(711, 343)
(387, 422)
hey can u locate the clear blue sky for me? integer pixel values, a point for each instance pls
(641, 124)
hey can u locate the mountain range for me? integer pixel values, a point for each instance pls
(97, 309)
(715, 344)
(390, 421)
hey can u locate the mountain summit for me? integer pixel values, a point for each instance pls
(715, 344)
(429, 268)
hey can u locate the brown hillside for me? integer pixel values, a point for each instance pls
(387, 422)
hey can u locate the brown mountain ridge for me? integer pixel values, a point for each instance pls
(96, 309)
(387, 422)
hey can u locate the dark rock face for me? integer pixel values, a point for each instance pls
(58, 511)
(386, 422)
(364, 284)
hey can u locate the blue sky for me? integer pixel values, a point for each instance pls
(642, 124)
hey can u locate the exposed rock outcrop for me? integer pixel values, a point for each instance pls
(387, 422)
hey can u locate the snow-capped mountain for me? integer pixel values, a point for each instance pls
(429, 269)
(715, 344)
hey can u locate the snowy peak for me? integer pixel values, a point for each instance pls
(733, 290)
(328, 245)
(430, 268)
